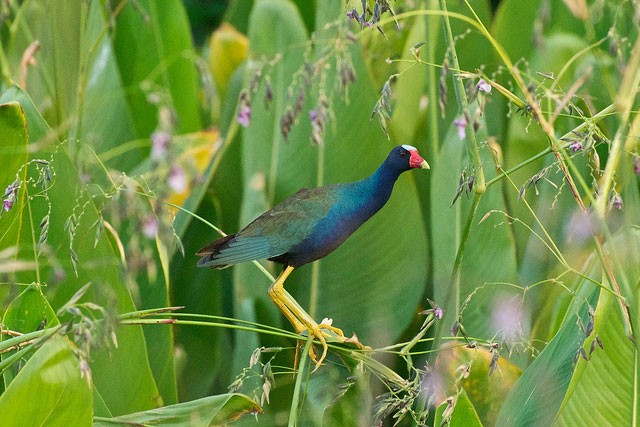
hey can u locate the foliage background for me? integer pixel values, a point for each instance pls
(124, 141)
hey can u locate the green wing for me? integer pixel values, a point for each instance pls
(274, 232)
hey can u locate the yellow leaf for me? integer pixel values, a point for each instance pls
(199, 149)
(227, 50)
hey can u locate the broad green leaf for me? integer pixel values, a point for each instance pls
(355, 275)
(210, 411)
(463, 414)
(520, 28)
(410, 86)
(134, 387)
(29, 312)
(99, 405)
(97, 115)
(49, 390)
(489, 255)
(155, 57)
(536, 397)
(602, 390)
(513, 25)
(13, 127)
(35, 124)
(97, 263)
(238, 13)
(199, 290)
(76, 83)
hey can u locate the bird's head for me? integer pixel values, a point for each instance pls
(406, 157)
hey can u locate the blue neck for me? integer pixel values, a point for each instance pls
(375, 190)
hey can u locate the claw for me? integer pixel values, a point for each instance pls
(302, 322)
(315, 331)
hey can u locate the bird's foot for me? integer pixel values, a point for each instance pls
(339, 335)
(327, 324)
(325, 331)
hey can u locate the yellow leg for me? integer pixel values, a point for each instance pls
(299, 318)
(276, 293)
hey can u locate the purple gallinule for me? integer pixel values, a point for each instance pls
(307, 226)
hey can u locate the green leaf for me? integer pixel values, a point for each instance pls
(166, 68)
(99, 264)
(603, 391)
(35, 124)
(75, 71)
(13, 127)
(490, 251)
(463, 415)
(134, 387)
(28, 312)
(473, 50)
(209, 411)
(538, 393)
(410, 87)
(49, 390)
(513, 25)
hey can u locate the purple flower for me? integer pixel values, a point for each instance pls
(10, 195)
(352, 14)
(438, 312)
(150, 227)
(12, 188)
(244, 115)
(461, 124)
(636, 164)
(159, 144)
(313, 115)
(483, 86)
(7, 203)
(616, 202)
(576, 146)
(177, 179)
(85, 370)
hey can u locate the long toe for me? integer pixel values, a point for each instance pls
(320, 336)
(326, 325)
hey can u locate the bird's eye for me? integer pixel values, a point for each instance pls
(403, 153)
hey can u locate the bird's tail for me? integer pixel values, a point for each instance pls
(210, 252)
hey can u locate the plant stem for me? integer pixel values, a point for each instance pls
(479, 184)
(433, 36)
(624, 104)
(302, 368)
(463, 103)
(315, 267)
(457, 265)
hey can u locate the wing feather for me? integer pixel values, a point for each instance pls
(274, 232)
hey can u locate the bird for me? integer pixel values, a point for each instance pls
(308, 226)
